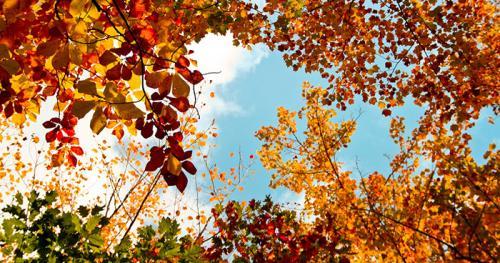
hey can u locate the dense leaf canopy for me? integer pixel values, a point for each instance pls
(126, 64)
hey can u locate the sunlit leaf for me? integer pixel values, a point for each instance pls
(98, 121)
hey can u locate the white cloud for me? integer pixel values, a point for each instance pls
(216, 53)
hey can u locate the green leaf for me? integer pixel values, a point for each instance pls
(50, 196)
(19, 198)
(192, 254)
(92, 223)
(98, 121)
(9, 225)
(168, 226)
(97, 209)
(124, 245)
(83, 211)
(76, 222)
(81, 108)
(172, 252)
(96, 240)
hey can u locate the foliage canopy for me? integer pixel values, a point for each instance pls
(126, 64)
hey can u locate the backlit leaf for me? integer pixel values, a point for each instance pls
(179, 86)
(48, 48)
(87, 87)
(128, 111)
(10, 66)
(81, 108)
(61, 58)
(173, 165)
(98, 121)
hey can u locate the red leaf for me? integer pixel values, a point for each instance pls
(181, 103)
(55, 120)
(107, 58)
(147, 130)
(160, 133)
(184, 72)
(169, 178)
(178, 21)
(9, 110)
(51, 135)
(157, 106)
(186, 155)
(69, 132)
(178, 136)
(157, 158)
(18, 108)
(77, 150)
(386, 112)
(65, 139)
(181, 182)
(176, 150)
(72, 159)
(139, 123)
(182, 62)
(138, 8)
(196, 77)
(59, 135)
(189, 167)
(123, 50)
(126, 73)
(119, 72)
(49, 124)
(114, 73)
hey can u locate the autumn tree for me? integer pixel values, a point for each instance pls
(442, 54)
(126, 63)
(443, 212)
(262, 231)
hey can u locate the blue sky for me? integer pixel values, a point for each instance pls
(258, 89)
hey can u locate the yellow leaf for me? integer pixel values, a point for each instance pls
(93, 13)
(381, 105)
(9, 8)
(76, 7)
(80, 28)
(173, 165)
(98, 121)
(128, 111)
(18, 119)
(171, 51)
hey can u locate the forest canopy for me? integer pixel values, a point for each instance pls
(125, 69)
